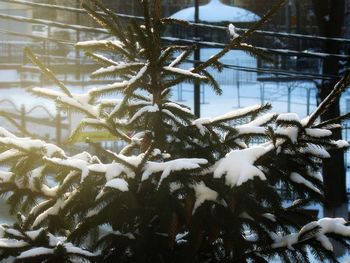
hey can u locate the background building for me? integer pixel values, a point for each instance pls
(17, 10)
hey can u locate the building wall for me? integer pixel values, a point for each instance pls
(10, 25)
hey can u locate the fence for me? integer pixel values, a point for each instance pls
(21, 118)
(12, 51)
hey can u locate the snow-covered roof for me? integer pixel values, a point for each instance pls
(217, 12)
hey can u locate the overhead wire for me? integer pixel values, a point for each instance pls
(225, 65)
(172, 39)
(239, 30)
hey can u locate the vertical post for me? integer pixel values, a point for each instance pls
(23, 117)
(308, 101)
(288, 12)
(77, 52)
(238, 89)
(238, 94)
(262, 93)
(42, 78)
(179, 92)
(58, 128)
(9, 53)
(47, 50)
(203, 94)
(289, 98)
(197, 55)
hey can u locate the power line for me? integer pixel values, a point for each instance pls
(285, 52)
(178, 40)
(53, 23)
(66, 8)
(235, 67)
(239, 30)
(40, 38)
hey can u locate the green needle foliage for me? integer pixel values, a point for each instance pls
(182, 189)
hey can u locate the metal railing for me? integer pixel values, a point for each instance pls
(21, 117)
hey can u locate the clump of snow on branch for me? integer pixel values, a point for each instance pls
(239, 165)
(203, 193)
(326, 226)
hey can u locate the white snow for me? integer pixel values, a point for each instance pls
(78, 251)
(53, 210)
(236, 113)
(113, 68)
(139, 75)
(174, 186)
(92, 43)
(35, 252)
(247, 129)
(318, 133)
(200, 122)
(217, 12)
(316, 150)
(116, 86)
(262, 120)
(12, 243)
(270, 217)
(184, 72)
(238, 165)
(171, 166)
(177, 106)
(341, 144)
(27, 144)
(143, 110)
(119, 184)
(203, 193)
(286, 241)
(34, 233)
(288, 117)
(105, 58)
(297, 178)
(232, 31)
(5, 176)
(291, 132)
(178, 59)
(327, 226)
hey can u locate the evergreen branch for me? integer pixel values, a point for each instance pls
(95, 123)
(174, 21)
(141, 36)
(105, 45)
(212, 82)
(258, 53)
(23, 190)
(117, 70)
(147, 155)
(113, 155)
(101, 19)
(47, 72)
(333, 121)
(327, 102)
(115, 87)
(238, 40)
(19, 127)
(171, 49)
(101, 59)
(119, 33)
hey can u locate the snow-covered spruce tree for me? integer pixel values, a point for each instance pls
(183, 189)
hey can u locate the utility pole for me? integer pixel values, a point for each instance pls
(197, 56)
(330, 18)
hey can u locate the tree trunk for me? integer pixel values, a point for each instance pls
(330, 17)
